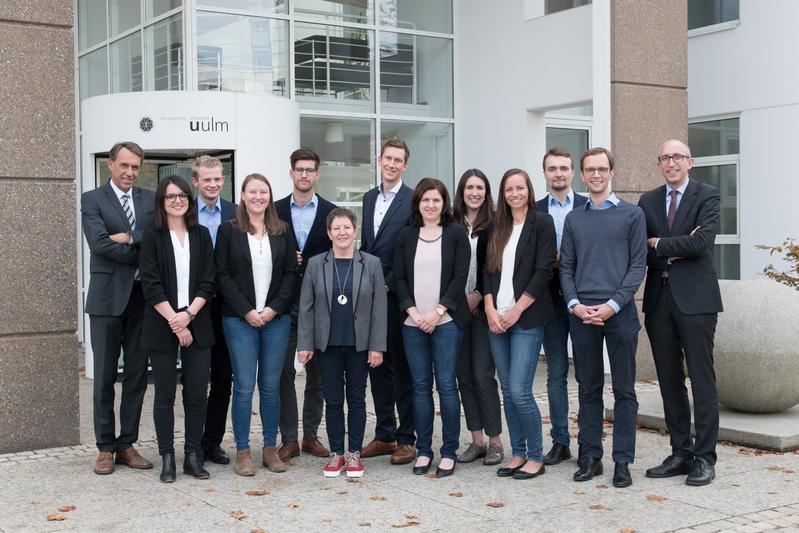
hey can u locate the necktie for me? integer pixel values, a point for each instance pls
(672, 208)
(131, 220)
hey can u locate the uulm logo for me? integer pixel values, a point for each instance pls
(209, 124)
(146, 124)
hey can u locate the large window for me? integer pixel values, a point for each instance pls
(703, 13)
(553, 6)
(715, 148)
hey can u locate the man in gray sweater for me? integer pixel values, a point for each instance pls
(602, 263)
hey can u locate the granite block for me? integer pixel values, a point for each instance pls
(55, 12)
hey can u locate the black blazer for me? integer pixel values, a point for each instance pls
(228, 209)
(455, 256)
(382, 244)
(543, 207)
(234, 281)
(532, 269)
(318, 241)
(693, 280)
(159, 284)
(482, 247)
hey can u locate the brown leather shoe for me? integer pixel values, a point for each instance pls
(131, 458)
(104, 464)
(272, 461)
(378, 447)
(243, 465)
(314, 446)
(288, 450)
(404, 454)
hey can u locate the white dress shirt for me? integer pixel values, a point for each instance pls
(383, 202)
(261, 253)
(505, 298)
(119, 192)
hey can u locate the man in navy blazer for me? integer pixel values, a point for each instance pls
(114, 217)
(305, 212)
(558, 171)
(386, 210)
(212, 211)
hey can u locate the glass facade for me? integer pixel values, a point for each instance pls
(703, 13)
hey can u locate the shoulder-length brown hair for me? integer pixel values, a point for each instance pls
(272, 223)
(189, 217)
(503, 220)
(485, 215)
(430, 184)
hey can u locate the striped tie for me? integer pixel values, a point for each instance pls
(132, 221)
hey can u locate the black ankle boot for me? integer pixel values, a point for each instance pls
(193, 466)
(168, 469)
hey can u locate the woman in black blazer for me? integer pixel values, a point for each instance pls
(177, 276)
(521, 252)
(256, 273)
(474, 208)
(431, 264)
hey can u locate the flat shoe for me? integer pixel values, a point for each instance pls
(521, 474)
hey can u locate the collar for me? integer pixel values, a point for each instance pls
(680, 190)
(202, 206)
(119, 192)
(314, 201)
(613, 199)
(395, 190)
(569, 200)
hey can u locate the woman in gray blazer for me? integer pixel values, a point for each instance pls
(342, 318)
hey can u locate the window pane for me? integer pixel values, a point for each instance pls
(91, 23)
(715, 137)
(126, 64)
(164, 48)
(237, 53)
(553, 6)
(125, 14)
(725, 179)
(361, 11)
(708, 12)
(153, 8)
(727, 258)
(333, 67)
(422, 15)
(576, 142)
(430, 146)
(415, 75)
(262, 7)
(93, 70)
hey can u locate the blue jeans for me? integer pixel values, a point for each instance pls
(516, 356)
(256, 352)
(556, 337)
(436, 354)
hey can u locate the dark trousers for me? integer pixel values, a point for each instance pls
(391, 385)
(314, 400)
(221, 382)
(674, 335)
(620, 333)
(109, 334)
(344, 371)
(194, 377)
(476, 379)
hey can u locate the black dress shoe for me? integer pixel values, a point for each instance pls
(621, 476)
(505, 471)
(444, 472)
(192, 465)
(216, 455)
(521, 474)
(168, 469)
(589, 467)
(422, 470)
(702, 473)
(670, 467)
(558, 453)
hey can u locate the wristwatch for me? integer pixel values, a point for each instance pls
(571, 309)
(440, 309)
(191, 315)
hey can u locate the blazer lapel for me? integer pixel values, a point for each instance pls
(399, 201)
(112, 197)
(138, 207)
(317, 228)
(244, 244)
(527, 229)
(194, 256)
(686, 204)
(660, 198)
(330, 264)
(171, 267)
(357, 272)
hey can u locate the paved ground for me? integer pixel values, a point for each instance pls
(754, 491)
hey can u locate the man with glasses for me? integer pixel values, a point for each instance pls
(306, 214)
(681, 305)
(114, 217)
(602, 264)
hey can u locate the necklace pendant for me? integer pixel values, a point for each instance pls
(342, 299)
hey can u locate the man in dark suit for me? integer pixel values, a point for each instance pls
(212, 211)
(386, 210)
(306, 214)
(114, 217)
(681, 305)
(558, 172)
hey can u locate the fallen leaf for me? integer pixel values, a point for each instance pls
(601, 486)
(341, 492)
(353, 480)
(67, 508)
(259, 492)
(210, 490)
(431, 475)
(238, 515)
(744, 451)
(786, 471)
(777, 468)
(55, 517)
(655, 498)
(772, 492)
(596, 506)
(456, 494)
(364, 524)
(258, 530)
(579, 492)
(495, 504)
(438, 413)
(36, 502)
(405, 524)
(626, 530)
(294, 506)
(378, 498)
(254, 413)
(328, 520)
(411, 516)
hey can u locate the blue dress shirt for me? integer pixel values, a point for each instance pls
(302, 218)
(559, 211)
(210, 217)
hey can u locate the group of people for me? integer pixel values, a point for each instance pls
(452, 293)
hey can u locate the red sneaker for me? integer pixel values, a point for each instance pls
(354, 465)
(334, 466)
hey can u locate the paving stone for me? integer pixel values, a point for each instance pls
(763, 526)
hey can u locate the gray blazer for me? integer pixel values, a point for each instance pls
(369, 303)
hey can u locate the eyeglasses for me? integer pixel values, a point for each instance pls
(677, 158)
(305, 171)
(182, 197)
(603, 171)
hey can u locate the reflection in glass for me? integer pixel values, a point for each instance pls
(153, 8)
(124, 15)
(422, 15)
(725, 179)
(708, 12)
(237, 53)
(258, 7)
(715, 137)
(93, 69)
(430, 146)
(415, 75)
(164, 48)
(553, 6)
(359, 11)
(576, 142)
(727, 259)
(126, 67)
(91, 23)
